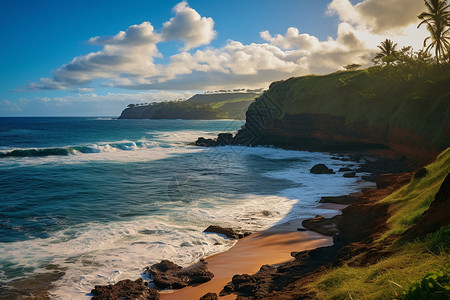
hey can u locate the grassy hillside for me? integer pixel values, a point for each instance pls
(201, 106)
(403, 274)
(379, 97)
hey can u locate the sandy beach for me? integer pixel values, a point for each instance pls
(272, 246)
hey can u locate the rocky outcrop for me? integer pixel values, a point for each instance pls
(323, 225)
(228, 232)
(125, 289)
(296, 114)
(349, 175)
(202, 142)
(168, 275)
(421, 173)
(345, 200)
(321, 169)
(209, 296)
(345, 169)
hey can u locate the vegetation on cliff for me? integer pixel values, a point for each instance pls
(412, 267)
(381, 97)
(200, 106)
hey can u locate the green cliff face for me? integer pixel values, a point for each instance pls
(374, 108)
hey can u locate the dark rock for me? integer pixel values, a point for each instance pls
(345, 169)
(209, 296)
(244, 284)
(383, 181)
(228, 232)
(302, 229)
(125, 289)
(371, 178)
(224, 139)
(321, 169)
(266, 213)
(322, 225)
(421, 173)
(227, 289)
(345, 200)
(379, 165)
(202, 142)
(166, 274)
(350, 175)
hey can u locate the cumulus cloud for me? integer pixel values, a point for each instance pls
(135, 35)
(232, 66)
(292, 39)
(127, 59)
(189, 27)
(378, 16)
(129, 53)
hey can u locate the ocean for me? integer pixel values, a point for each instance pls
(98, 199)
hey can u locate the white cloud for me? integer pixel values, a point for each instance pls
(189, 27)
(292, 39)
(129, 53)
(135, 35)
(127, 59)
(379, 16)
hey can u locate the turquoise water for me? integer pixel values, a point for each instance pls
(105, 197)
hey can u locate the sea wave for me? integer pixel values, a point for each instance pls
(74, 150)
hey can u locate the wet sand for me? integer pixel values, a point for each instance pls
(273, 246)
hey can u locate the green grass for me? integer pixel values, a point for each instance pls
(218, 105)
(398, 274)
(389, 278)
(409, 202)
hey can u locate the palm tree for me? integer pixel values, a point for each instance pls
(437, 20)
(387, 53)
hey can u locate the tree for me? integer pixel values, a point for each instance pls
(352, 67)
(387, 54)
(437, 21)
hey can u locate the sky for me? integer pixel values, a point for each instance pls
(92, 58)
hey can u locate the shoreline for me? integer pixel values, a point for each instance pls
(268, 247)
(274, 246)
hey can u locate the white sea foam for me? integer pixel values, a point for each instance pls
(183, 137)
(104, 253)
(161, 146)
(102, 152)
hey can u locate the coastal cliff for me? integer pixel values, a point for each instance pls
(198, 107)
(356, 110)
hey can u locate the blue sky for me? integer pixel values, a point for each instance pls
(173, 49)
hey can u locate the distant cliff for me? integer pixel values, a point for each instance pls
(198, 107)
(357, 110)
